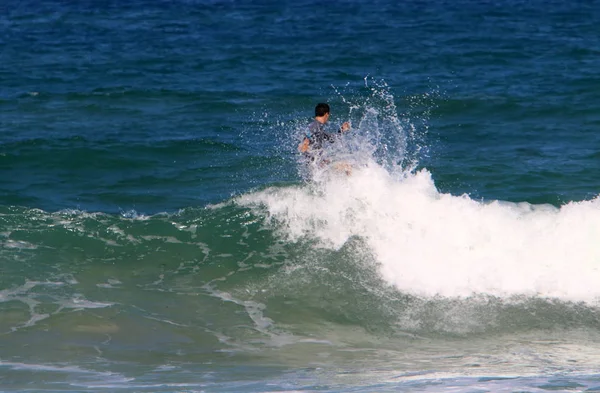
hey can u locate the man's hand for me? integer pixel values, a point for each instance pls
(345, 127)
(303, 146)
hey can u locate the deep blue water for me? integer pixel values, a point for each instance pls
(109, 106)
(127, 127)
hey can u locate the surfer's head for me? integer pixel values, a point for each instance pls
(321, 110)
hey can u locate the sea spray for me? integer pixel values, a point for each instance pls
(378, 132)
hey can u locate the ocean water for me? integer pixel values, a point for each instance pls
(159, 231)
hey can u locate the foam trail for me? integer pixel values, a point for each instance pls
(433, 244)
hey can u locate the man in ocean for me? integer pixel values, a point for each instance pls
(312, 144)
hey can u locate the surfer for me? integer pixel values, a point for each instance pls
(312, 144)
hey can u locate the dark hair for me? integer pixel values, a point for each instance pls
(321, 109)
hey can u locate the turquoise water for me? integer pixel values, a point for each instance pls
(160, 233)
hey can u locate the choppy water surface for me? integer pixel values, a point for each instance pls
(160, 233)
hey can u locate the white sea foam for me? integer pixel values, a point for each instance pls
(35, 293)
(69, 369)
(18, 244)
(432, 244)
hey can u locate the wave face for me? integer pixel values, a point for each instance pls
(368, 272)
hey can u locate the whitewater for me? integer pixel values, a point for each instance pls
(429, 244)
(425, 242)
